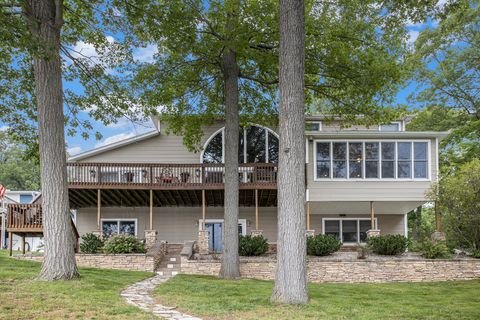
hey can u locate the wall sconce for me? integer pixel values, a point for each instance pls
(249, 223)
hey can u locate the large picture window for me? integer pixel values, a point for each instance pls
(348, 230)
(256, 145)
(371, 159)
(119, 226)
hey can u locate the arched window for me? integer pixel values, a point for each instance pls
(261, 146)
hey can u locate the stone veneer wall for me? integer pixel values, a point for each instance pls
(392, 270)
(131, 262)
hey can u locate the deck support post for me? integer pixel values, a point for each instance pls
(23, 244)
(257, 231)
(98, 232)
(10, 243)
(202, 243)
(310, 232)
(373, 232)
(151, 234)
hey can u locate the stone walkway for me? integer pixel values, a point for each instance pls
(138, 295)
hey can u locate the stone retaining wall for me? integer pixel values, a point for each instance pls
(394, 270)
(131, 262)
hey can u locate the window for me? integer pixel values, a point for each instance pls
(404, 151)
(348, 230)
(255, 145)
(339, 159)
(388, 159)
(119, 226)
(371, 159)
(323, 160)
(313, 126)
(26, 198)
(390, 127)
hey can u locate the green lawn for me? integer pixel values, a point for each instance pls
(96, 295)
(212, 298)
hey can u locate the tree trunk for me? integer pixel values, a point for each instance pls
(230, 268)
(290, 279)
(44, 18)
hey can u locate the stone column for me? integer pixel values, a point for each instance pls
(256, 233)
(373, 233)
(150, 238)
(202, 242)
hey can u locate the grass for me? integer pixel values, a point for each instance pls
(95, 295)
(212, 298)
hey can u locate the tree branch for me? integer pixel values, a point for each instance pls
(260, 81)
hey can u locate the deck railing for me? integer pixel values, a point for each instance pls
(166, 175)
(24, 216)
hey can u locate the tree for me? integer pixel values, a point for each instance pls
(449, 81)
(36, 58)
(459, 198)
(291, 274)
(16, 172)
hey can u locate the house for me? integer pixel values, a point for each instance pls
(359, 181)
(32, 242)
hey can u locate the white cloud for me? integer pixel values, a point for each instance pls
(115, 138)
(412, 36)
(145, 54)
(74, 150)
(4, 128)
(83, 49)
(441, 3)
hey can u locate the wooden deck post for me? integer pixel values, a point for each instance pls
(99, 206)
(10, 243)
(151, 209)
(256, 210)
(23, 244)
(203, 209)
(372, 216)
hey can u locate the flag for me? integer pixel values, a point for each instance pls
(2, 191)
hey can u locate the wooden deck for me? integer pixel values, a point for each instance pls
(149, 176)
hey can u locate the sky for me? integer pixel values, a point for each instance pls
(124, 129)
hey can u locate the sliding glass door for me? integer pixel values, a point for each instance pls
(347, 230)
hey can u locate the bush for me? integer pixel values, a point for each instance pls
(252, 245)
(435, 249)
(475, 254)
(390, 244)
(322, 245)
(123, 243)
(91, 243)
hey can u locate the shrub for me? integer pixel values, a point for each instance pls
(322, 245)
(475, 254)
(91, 243)
(390, 244)
(252, 245)
(123, 243)
(435, 249)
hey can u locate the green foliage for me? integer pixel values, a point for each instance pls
(356, 57)
(91, 243)
(421, 225)
(390, 244)
(123, 243)
(459, 199)
(475, 254)
(322, 245)
(252, 245)
(435, 249)
(16, 172)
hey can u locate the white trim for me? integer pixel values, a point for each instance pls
(114, 145)
(306, 150)
(373, 134)
(118, 223)
(412, 141)
(320, 126)
(405, 225)
(341, 226)
(266, 131)
(243, 222)
(437, 161)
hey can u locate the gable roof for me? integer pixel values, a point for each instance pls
(114, 145)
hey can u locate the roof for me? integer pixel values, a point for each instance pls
(378, 134)
(114, 145)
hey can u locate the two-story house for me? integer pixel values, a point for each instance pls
(357, 179)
